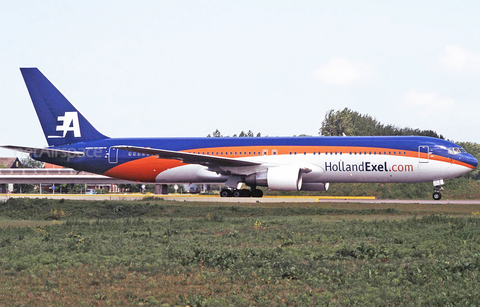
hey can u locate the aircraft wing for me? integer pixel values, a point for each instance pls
(190, 158)
(49, 152)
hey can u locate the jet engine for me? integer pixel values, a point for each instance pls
(282, 178)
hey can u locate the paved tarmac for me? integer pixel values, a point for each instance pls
(266, 199)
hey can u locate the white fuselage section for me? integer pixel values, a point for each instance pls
(348, 168)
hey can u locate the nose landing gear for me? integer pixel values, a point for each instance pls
(438, 188)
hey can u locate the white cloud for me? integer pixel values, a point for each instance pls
(429, 102)
(343, 71)
(457, 59)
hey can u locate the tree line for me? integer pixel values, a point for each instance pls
(352, 123)
(243, 134)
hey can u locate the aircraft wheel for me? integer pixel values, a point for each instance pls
(437, 195)
(226, 193)
(241, 193)
(246, 193)
(257, 193)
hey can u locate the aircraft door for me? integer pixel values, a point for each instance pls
(112, 155)
(423, 154)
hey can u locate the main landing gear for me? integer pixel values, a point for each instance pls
(241, 193)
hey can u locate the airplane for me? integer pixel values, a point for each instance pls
(278, 163)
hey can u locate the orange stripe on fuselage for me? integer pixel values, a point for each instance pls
(250, 151)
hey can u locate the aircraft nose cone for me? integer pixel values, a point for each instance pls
(472, 161)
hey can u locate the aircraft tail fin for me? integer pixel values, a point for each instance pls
(61, 122)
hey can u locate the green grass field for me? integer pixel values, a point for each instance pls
(163, 253)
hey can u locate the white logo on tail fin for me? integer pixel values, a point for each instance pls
(70, 123)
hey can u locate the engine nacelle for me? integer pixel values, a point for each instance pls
(282, 178)
(321, 187)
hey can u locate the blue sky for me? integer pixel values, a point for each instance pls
(186, 68)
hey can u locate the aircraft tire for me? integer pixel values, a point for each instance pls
(246, 193)
(241, 193)
(225, 193)
(437, 195)
(257, 193)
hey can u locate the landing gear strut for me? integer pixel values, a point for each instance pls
(437, 184)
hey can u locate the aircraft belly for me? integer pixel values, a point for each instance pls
(191, 173)
(435, 170)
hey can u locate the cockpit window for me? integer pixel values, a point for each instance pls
(456, 150)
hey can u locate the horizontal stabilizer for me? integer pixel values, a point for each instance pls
(46, 152)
